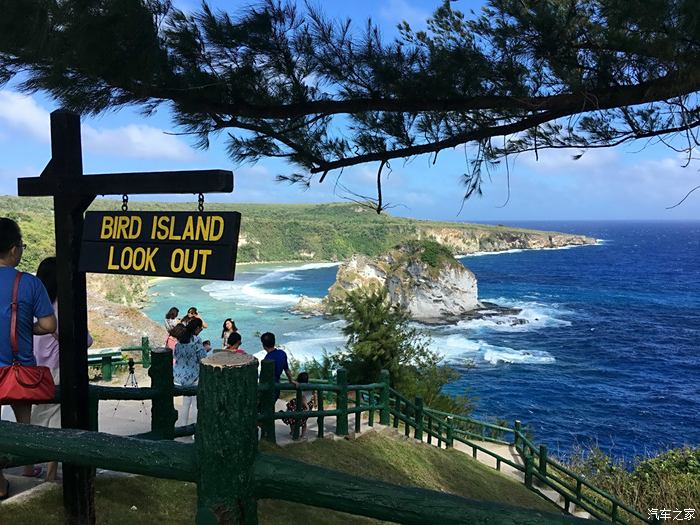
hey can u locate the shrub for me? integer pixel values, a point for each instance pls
(379, 337)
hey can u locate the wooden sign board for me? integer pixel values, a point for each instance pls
(197, 245)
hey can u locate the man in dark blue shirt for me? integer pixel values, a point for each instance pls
(279, 357)
(32, 302)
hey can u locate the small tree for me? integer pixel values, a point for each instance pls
(379, 337)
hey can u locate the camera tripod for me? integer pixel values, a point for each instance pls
(131, 382)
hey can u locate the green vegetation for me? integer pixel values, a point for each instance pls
(670, 480)
(379, 337)
(279, 232)
(432, 253)
(374, 456)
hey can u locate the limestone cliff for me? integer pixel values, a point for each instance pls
(422, 276)
(466, 240)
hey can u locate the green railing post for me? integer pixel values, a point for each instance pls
(578, 490)
(296, 427)
(267, 400)
(227, 441)
(163, 413)
(145, 352)
(94, 408)
(358, 415)
(106, 368)
(384, 414)
(341, 425)
(319, 420)
(419, 419)
(528, 470)
(543, 461)
(516, 434)
(449, 438)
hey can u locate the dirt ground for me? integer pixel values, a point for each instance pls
(113, 324)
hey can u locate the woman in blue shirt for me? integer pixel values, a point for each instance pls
(189, 351)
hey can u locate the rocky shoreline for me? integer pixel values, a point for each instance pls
(115, 301)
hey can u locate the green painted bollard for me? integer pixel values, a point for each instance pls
(145, 353)
(358, 415)
(449, 438)
(319, 419)
(296, 428)
(543, 461)
(528, 470)
(163, 413)
(267, 400)
(384, 413)
(516, 434)
(106, 367)
(341, 425)
(226, 439)
(419, 419)
(93, 410)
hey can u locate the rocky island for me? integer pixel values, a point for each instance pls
(420, 275)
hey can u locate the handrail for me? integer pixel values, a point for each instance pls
(575, 494)
(467, 419)
(356, 399)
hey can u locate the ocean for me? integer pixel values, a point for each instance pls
(609, 356)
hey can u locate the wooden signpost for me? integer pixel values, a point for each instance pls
(72, 193)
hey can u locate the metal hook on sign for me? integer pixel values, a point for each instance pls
(125, 202)
(200, 202)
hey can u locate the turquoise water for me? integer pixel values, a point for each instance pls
(609, 354)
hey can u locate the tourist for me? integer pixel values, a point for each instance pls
(279, 357)
(307, 403)
(189, 351)
(33, 302)
(46, 351)
(171, 321)
(192, 313)
(228, 328)
(234, 343)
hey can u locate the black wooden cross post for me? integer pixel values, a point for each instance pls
(72, 194)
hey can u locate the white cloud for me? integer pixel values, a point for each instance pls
(135, 140)
(21, 113)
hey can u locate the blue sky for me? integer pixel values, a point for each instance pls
(628, 182)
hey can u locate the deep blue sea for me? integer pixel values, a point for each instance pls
(610, 354)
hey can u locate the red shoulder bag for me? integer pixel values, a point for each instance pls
(18, 382)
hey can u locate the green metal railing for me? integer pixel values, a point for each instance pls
(537, 465)
(107, 364)
(230, 473)
(393, 409)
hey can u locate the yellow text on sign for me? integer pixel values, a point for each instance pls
(209, 228)
(188, 260)
(120, 227)
(139, 259)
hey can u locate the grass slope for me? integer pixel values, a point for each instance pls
(373, 455)
(270, 232)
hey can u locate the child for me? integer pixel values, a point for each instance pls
(207, 346)
(233, 344)
(307, 403)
